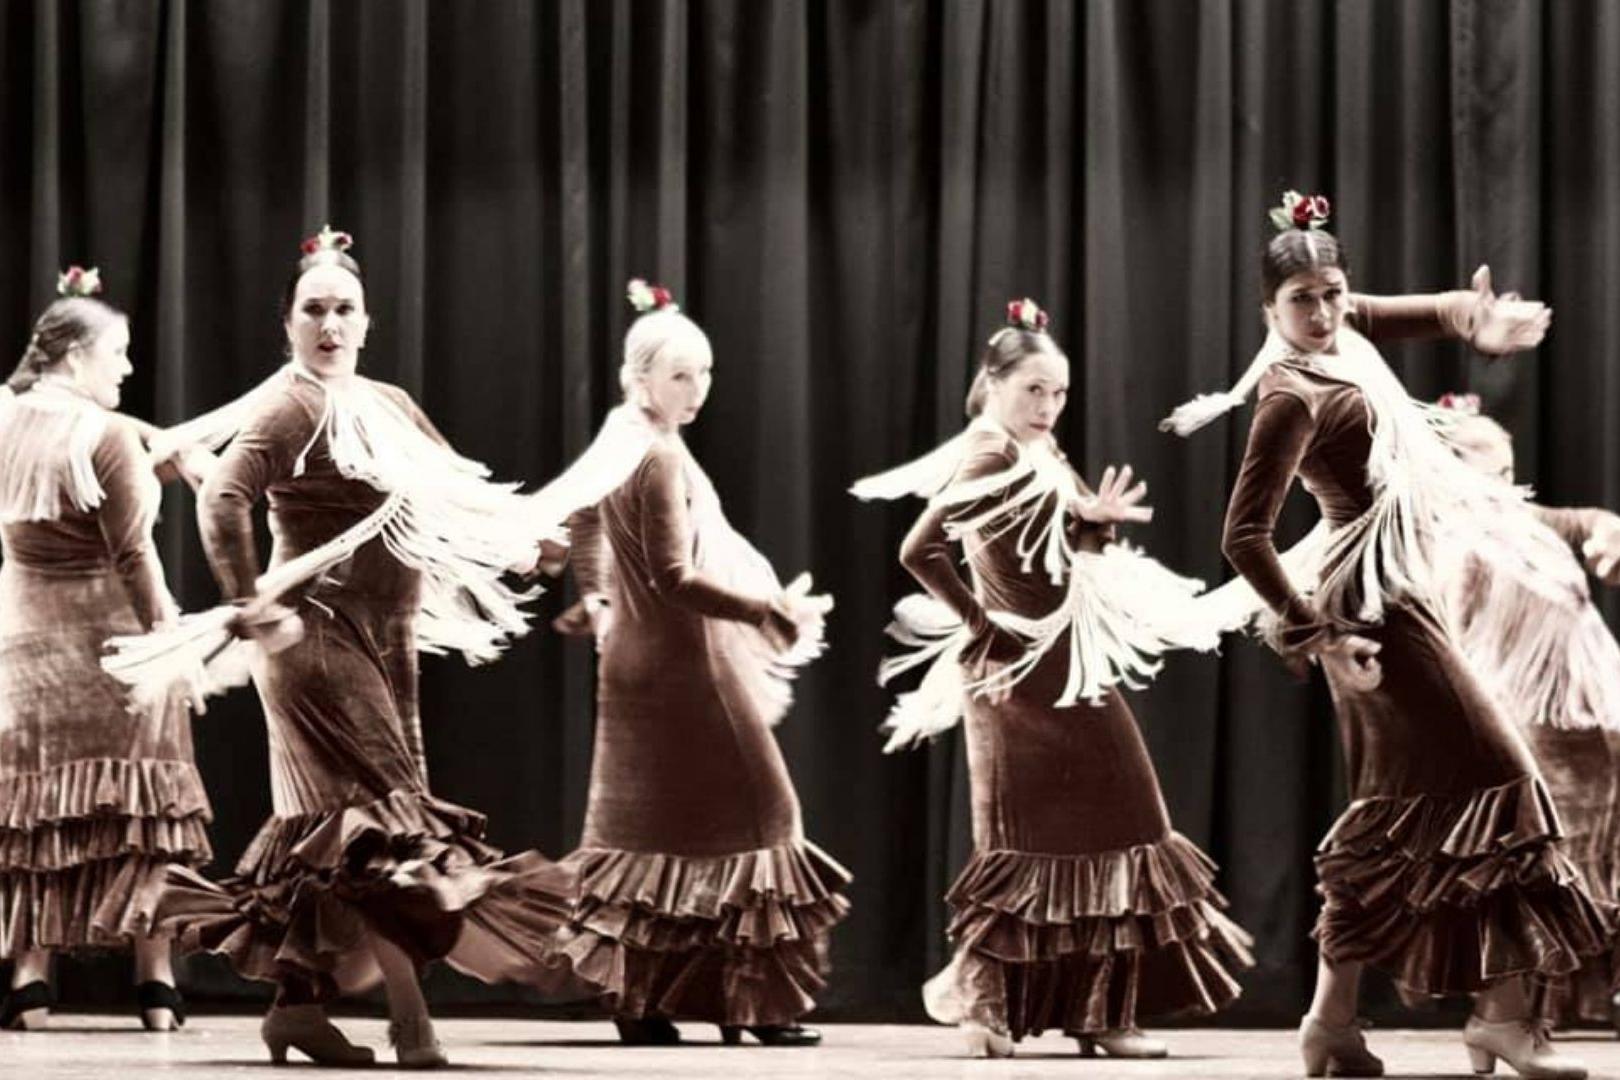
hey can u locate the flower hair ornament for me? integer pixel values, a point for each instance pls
(1462, 404)
(645, 297)
(1301, 212)
(77, 281)
(328, 239)
(1023, 314)
(1304, 212)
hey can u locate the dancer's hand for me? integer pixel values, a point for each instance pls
(1353, 660)
(800, 605)
(553, 558)
(998, 690)
(272, 626)
(1116, 500)
(600, 612)
(195, 465)
(1602, 550)
(1507, 323)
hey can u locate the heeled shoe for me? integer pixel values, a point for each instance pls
(770, 1034)
(1121, 1043)
(1523, 1044)
(985, 1042)
(1336, 1049)
(27, 1007)
(649, 1030)
(305, 1028)
(415, 1046)
(161, 1006)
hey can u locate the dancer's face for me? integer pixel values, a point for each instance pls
(1028, 400)
(99, 367)
(677, 384)
(1309, 307)
(328, 322)
(1484, 445)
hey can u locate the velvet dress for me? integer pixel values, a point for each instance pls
(1081, 908)
(1579, 764)
(357, 843)
(700, 897)
(1447, 868)
(96, 801)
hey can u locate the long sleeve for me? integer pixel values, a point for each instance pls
(263, 453)
(666, 538)
(1278, 439)
(1420, 317)
(588, 552)
(929, 555)
(119, 464)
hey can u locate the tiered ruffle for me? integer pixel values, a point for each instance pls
(1449, 895)
(84, 847)
(1087, 943)
(310, 889)
(736, 939)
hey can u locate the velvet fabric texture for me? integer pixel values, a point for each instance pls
(358, 845)
(1447, 869)
(1581, 769)
(96, 802)
(700, 896)
(1080, 908)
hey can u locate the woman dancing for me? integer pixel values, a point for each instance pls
(700, 897)
(1081, 909)
(1446, 869)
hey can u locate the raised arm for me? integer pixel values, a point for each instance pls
(120, 462)
(1490, 324)
(1421, 317)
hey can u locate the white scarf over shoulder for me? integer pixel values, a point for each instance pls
(442, 517)
(48, 438)
(720, 552)
(1429, 508)
(1121, 609)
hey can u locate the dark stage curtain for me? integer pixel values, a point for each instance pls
(844, 194)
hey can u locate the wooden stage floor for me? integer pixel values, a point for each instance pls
(98, 1047)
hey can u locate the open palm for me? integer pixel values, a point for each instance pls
(1116, 500)
(1507, 323)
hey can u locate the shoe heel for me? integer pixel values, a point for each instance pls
(731, 1034)
(1316, 1061)
(1483, 1061)
(278, 1051)
(1088, 1047)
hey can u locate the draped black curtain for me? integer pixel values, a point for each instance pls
(844, 194)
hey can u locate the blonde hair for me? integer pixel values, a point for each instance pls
(650, 337)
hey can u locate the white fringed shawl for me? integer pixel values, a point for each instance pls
(1121, 609)
(1538, 645)
(720, 552)
(1427, 506)
(443, 518)
(48, 438)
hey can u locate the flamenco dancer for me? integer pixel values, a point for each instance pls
(1541, 647)
(95, 803)
(386, 542)
(700, 897)
(1446, 869)
(1081, 909)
